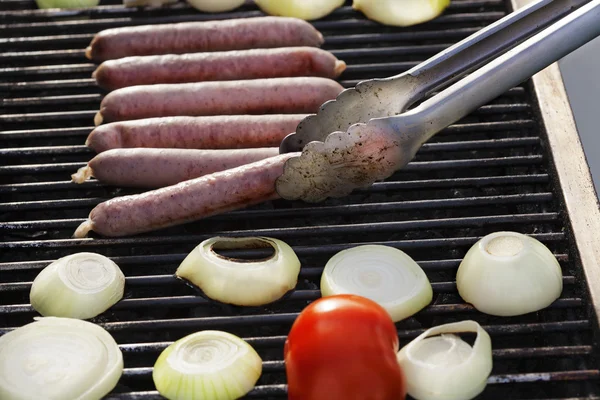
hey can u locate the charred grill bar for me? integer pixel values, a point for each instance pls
(498, 169)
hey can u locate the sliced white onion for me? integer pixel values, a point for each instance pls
(401, 12)
(304, 9)
(383, 274)
(58, 359)
(508, 274)
(208, 365)
(82, 285)
(214, 6)
(446, 367)
(237, 281)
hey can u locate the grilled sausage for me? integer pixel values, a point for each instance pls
(218, 66)
(255, 96)
(211, 132)
(155, 168)
(205, 36)
(187, 201)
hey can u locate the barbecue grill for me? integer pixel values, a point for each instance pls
(515, 164)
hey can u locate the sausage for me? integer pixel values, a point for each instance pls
(187, 201)
(204, 36)
(155, 168)
(218, 66)
(255, 96)
(210, 132)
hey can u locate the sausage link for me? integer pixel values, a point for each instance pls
(155, 168)
(205, 36)
(218, 66)
(255, 96)
(187, 201)
(210, 132)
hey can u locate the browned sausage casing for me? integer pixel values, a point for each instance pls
(194, 37)
(218, 66)
(255, 96)
(156, 168)
(210, 132)
(187, 201)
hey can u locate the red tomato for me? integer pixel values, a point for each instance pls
(343, 348)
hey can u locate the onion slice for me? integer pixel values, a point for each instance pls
(58, 358)
(446, 367)
(509, 274)
(303, 9)
(82, 285)
(383, 274)
(208, 365)
(216, 6)
(238, 281)
(401, 12)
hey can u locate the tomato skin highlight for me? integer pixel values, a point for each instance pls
(343, 347)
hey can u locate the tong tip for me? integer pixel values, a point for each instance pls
(345, 161)
(290, 144)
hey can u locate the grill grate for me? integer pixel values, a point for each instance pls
(489, 172)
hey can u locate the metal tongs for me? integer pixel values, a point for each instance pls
(369, 132)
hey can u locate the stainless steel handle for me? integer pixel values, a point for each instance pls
(469, 54)
(501, 74)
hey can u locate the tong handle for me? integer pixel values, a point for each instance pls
(501, 74)
(471, 53)
(386, 97)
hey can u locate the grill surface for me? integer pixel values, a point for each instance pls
(489, 172)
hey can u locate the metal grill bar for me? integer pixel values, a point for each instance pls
(387, 68)
(330, 40)
(77, 54)
(288, 318)
(45, 85)
(50, 116)
(48, 69)
(279, 366)
(427, 147)
(379, 227)
(377, 187)
(454, 129)
(189, 301)
(413, 166)
(300, 250)
(280, 340)
(51, 100)
(35, 133)
(438, 287)
(432, 265)
(311, 211)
